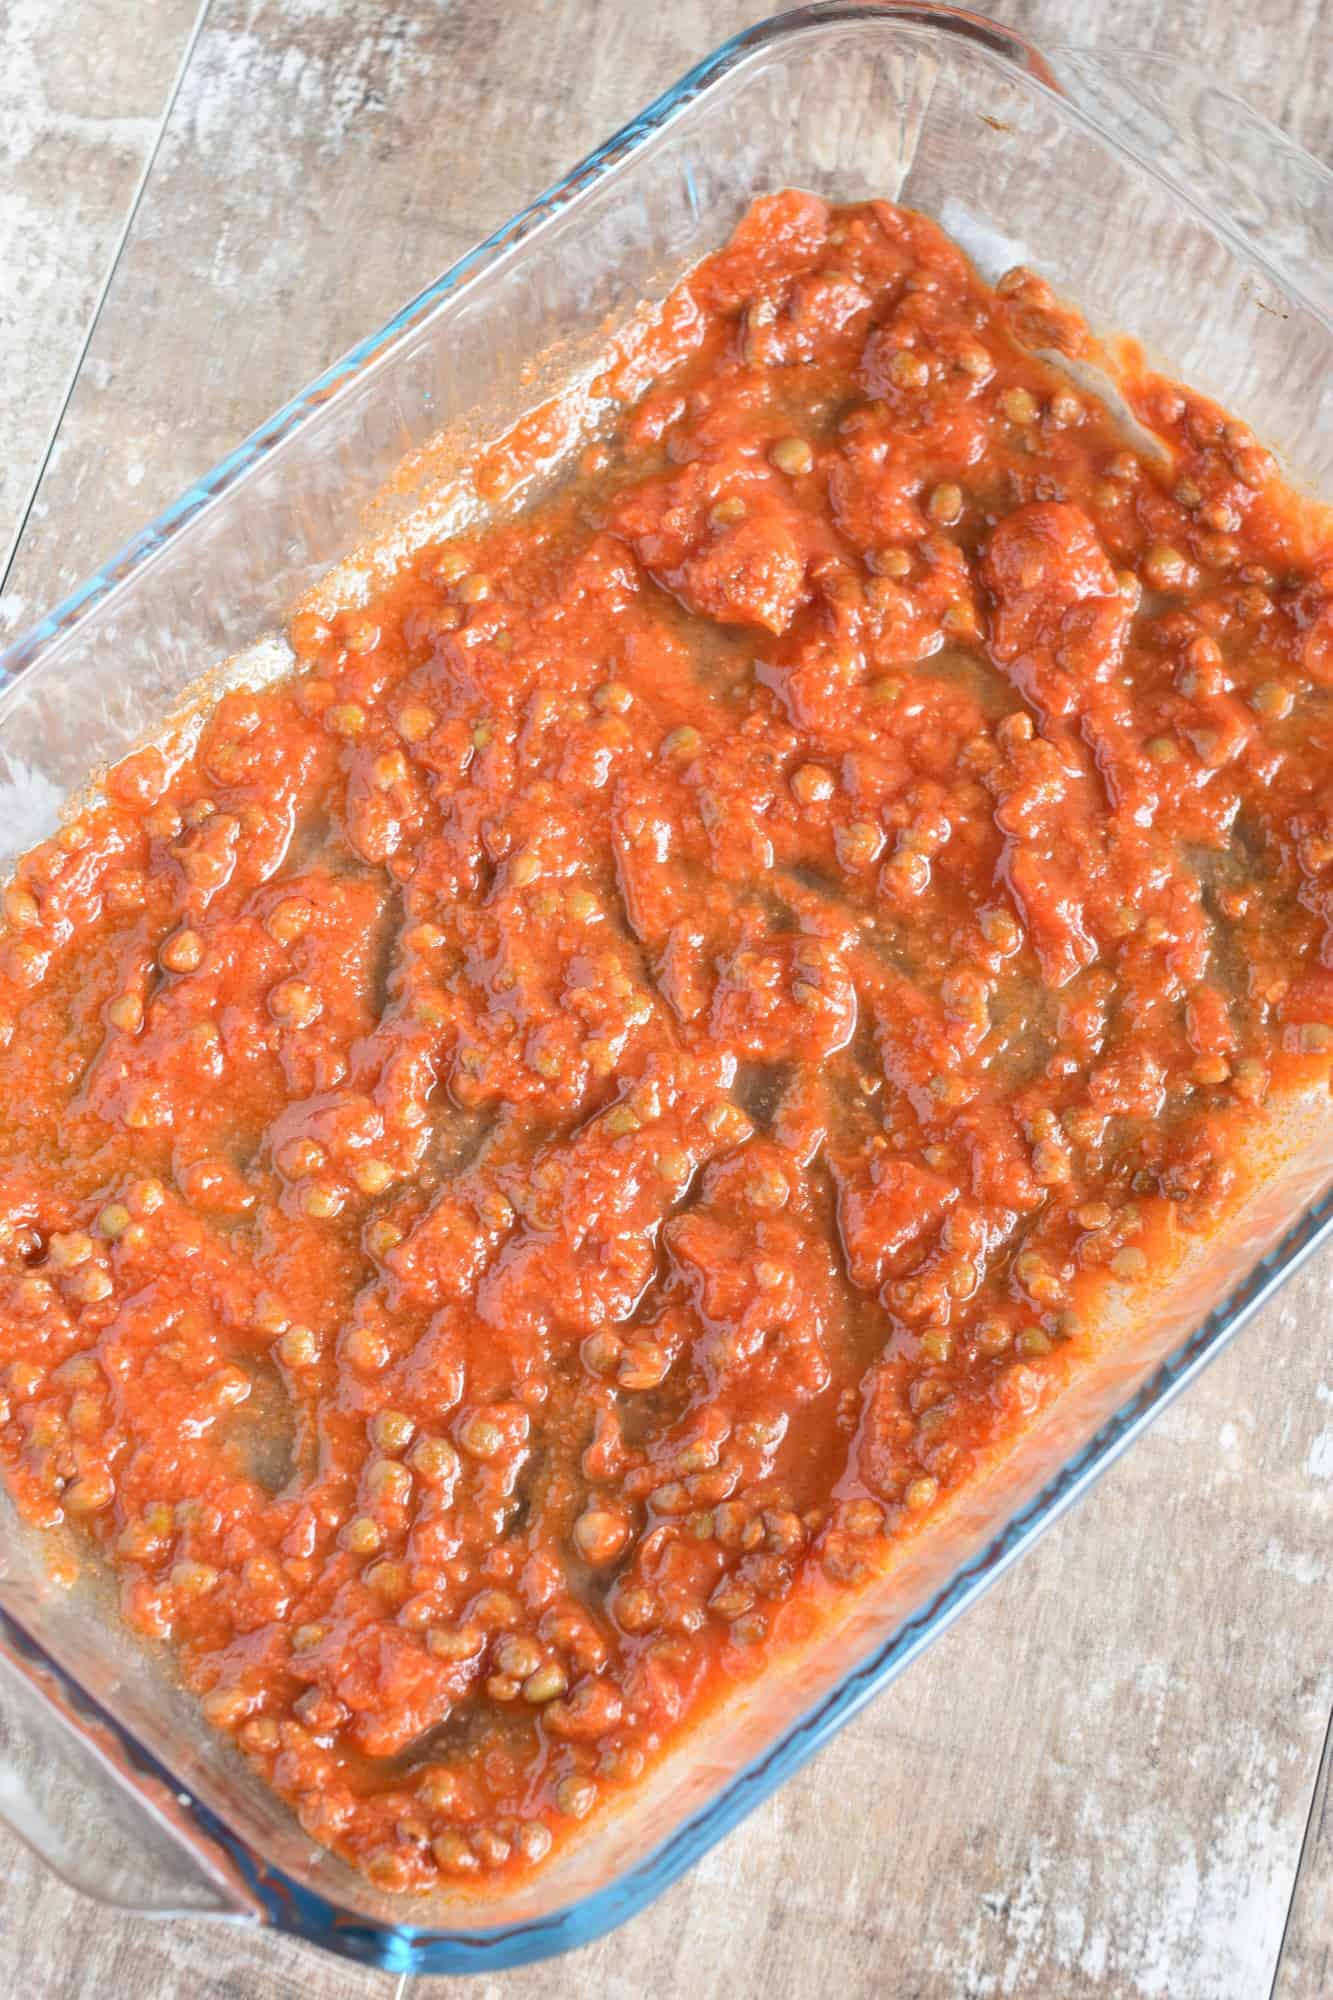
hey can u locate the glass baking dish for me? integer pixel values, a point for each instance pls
(1147, 196)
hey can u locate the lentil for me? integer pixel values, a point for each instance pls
(183, 953)
(792, 455)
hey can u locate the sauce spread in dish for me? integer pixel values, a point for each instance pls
(536, 1152)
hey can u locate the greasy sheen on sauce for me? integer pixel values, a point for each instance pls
(535, 1153)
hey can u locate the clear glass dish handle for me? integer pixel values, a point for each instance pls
(123, 1838)
(1272, 197)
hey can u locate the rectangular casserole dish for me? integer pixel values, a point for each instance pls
(1153, 202)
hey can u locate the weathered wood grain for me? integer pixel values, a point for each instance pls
(1306, 1968)
(324, 161)
(81, 102)
(1276, 54)
(1098, 1785)
(59, 1946)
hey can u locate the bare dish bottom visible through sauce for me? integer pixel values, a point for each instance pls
(537, 1152)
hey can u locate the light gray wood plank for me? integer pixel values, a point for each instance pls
(325, 161)
(59, 1946)
(1305, 1970)
(1275, 54)
(82, 93)
(1097, 1785)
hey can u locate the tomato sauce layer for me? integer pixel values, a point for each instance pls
(537, 1152)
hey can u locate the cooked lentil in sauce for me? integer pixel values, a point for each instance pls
(537, 1151)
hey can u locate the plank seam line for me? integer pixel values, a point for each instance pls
(1321, 1772)
(187, 56)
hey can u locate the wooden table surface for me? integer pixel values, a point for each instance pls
(1112, 1778)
